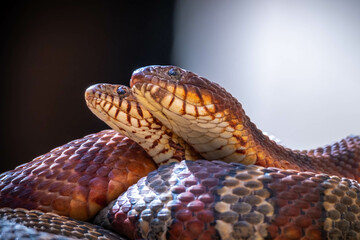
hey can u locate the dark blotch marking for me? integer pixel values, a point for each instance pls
(185, 90)
(241, 151)
(117, 112)
(199, 95)
(155, 143)
(138, 108)
(128, 108)
(172, 100)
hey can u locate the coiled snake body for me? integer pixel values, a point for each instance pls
(173, 114)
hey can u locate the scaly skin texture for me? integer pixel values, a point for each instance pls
(213, 200)
(32, 224)
(77, 179)
(214, 123)
(218, 200)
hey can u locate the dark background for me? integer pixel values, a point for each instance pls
(51, 51)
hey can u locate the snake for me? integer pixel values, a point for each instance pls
(140, 181)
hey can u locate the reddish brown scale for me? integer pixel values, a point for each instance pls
(78, 178)
(328, 160)
(298, 201)
(191, 211)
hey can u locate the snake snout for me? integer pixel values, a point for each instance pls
(90, 91)
(105, 89)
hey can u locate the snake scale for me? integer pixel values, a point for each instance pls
(134, 180)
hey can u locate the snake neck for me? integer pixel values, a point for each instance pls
(341, 158)
(267, 153)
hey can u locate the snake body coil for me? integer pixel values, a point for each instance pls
(23, 224)
(77, 179)
(173, 114)
(217, 200)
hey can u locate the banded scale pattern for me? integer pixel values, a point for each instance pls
(217, 200)
(20, 223)
(77, 179)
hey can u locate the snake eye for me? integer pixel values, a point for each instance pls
(121, 90)
(174, 73)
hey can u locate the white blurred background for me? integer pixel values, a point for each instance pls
(294, 65)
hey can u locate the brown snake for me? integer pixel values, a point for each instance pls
(174, 114)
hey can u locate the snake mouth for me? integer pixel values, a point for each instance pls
(115, 103)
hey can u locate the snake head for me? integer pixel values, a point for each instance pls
(200, 111)
(115, 105)
(174, 90)
(193, 91)
(105, 90)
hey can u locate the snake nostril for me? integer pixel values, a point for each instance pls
(121, 90)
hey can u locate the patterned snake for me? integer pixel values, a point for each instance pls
(173, 114)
